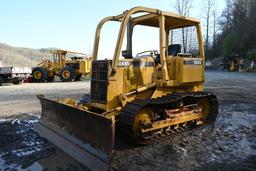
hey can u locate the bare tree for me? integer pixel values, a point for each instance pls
(215, 29)
(183, 7)
(227, 15)
(214, 24)
(209, 7)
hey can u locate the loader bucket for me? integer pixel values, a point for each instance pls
(86, 136)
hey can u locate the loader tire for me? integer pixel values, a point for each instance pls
(39, 74)
(67, 74)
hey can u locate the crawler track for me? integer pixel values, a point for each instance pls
(131, 110)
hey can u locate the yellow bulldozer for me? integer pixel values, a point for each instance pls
(67, 69)
(147, 97)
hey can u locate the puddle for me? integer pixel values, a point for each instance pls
(22, 149)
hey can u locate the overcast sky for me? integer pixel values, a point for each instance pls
(70, 24)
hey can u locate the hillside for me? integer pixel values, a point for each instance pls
(16, 56)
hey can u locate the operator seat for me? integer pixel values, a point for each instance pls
(174, 49)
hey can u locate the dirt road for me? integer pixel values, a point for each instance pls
(16, 99)
(232, 146)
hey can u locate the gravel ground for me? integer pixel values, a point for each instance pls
(231, 146)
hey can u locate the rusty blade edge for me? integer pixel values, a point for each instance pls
(90, 128)
(84, 153)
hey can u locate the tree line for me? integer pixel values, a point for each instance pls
(237, 34)
(231, 32)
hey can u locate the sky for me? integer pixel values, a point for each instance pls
(71, 24)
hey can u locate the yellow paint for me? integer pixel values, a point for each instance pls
(149, 76)
(66, 74)
(37, 75)
(60, 60)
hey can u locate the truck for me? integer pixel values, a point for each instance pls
(15, 75)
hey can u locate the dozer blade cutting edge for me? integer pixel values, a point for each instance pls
(86, 136)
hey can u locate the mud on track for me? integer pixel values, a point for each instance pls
(232, 145)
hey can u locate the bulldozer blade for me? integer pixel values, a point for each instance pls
(86, 136)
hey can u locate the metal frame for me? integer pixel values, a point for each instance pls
(165, 21)
(151, 13)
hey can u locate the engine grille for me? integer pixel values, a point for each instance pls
(99, 81)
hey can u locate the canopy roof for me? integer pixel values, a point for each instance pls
(149, 17)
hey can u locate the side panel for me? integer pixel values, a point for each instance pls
(138, 73)
(130, 75)
(88, 65)
(193, 70)
(189, 70)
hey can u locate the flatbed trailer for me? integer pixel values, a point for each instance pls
(15, 75)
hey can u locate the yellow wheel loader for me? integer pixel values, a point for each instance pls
(148, 96)
(67, 69)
